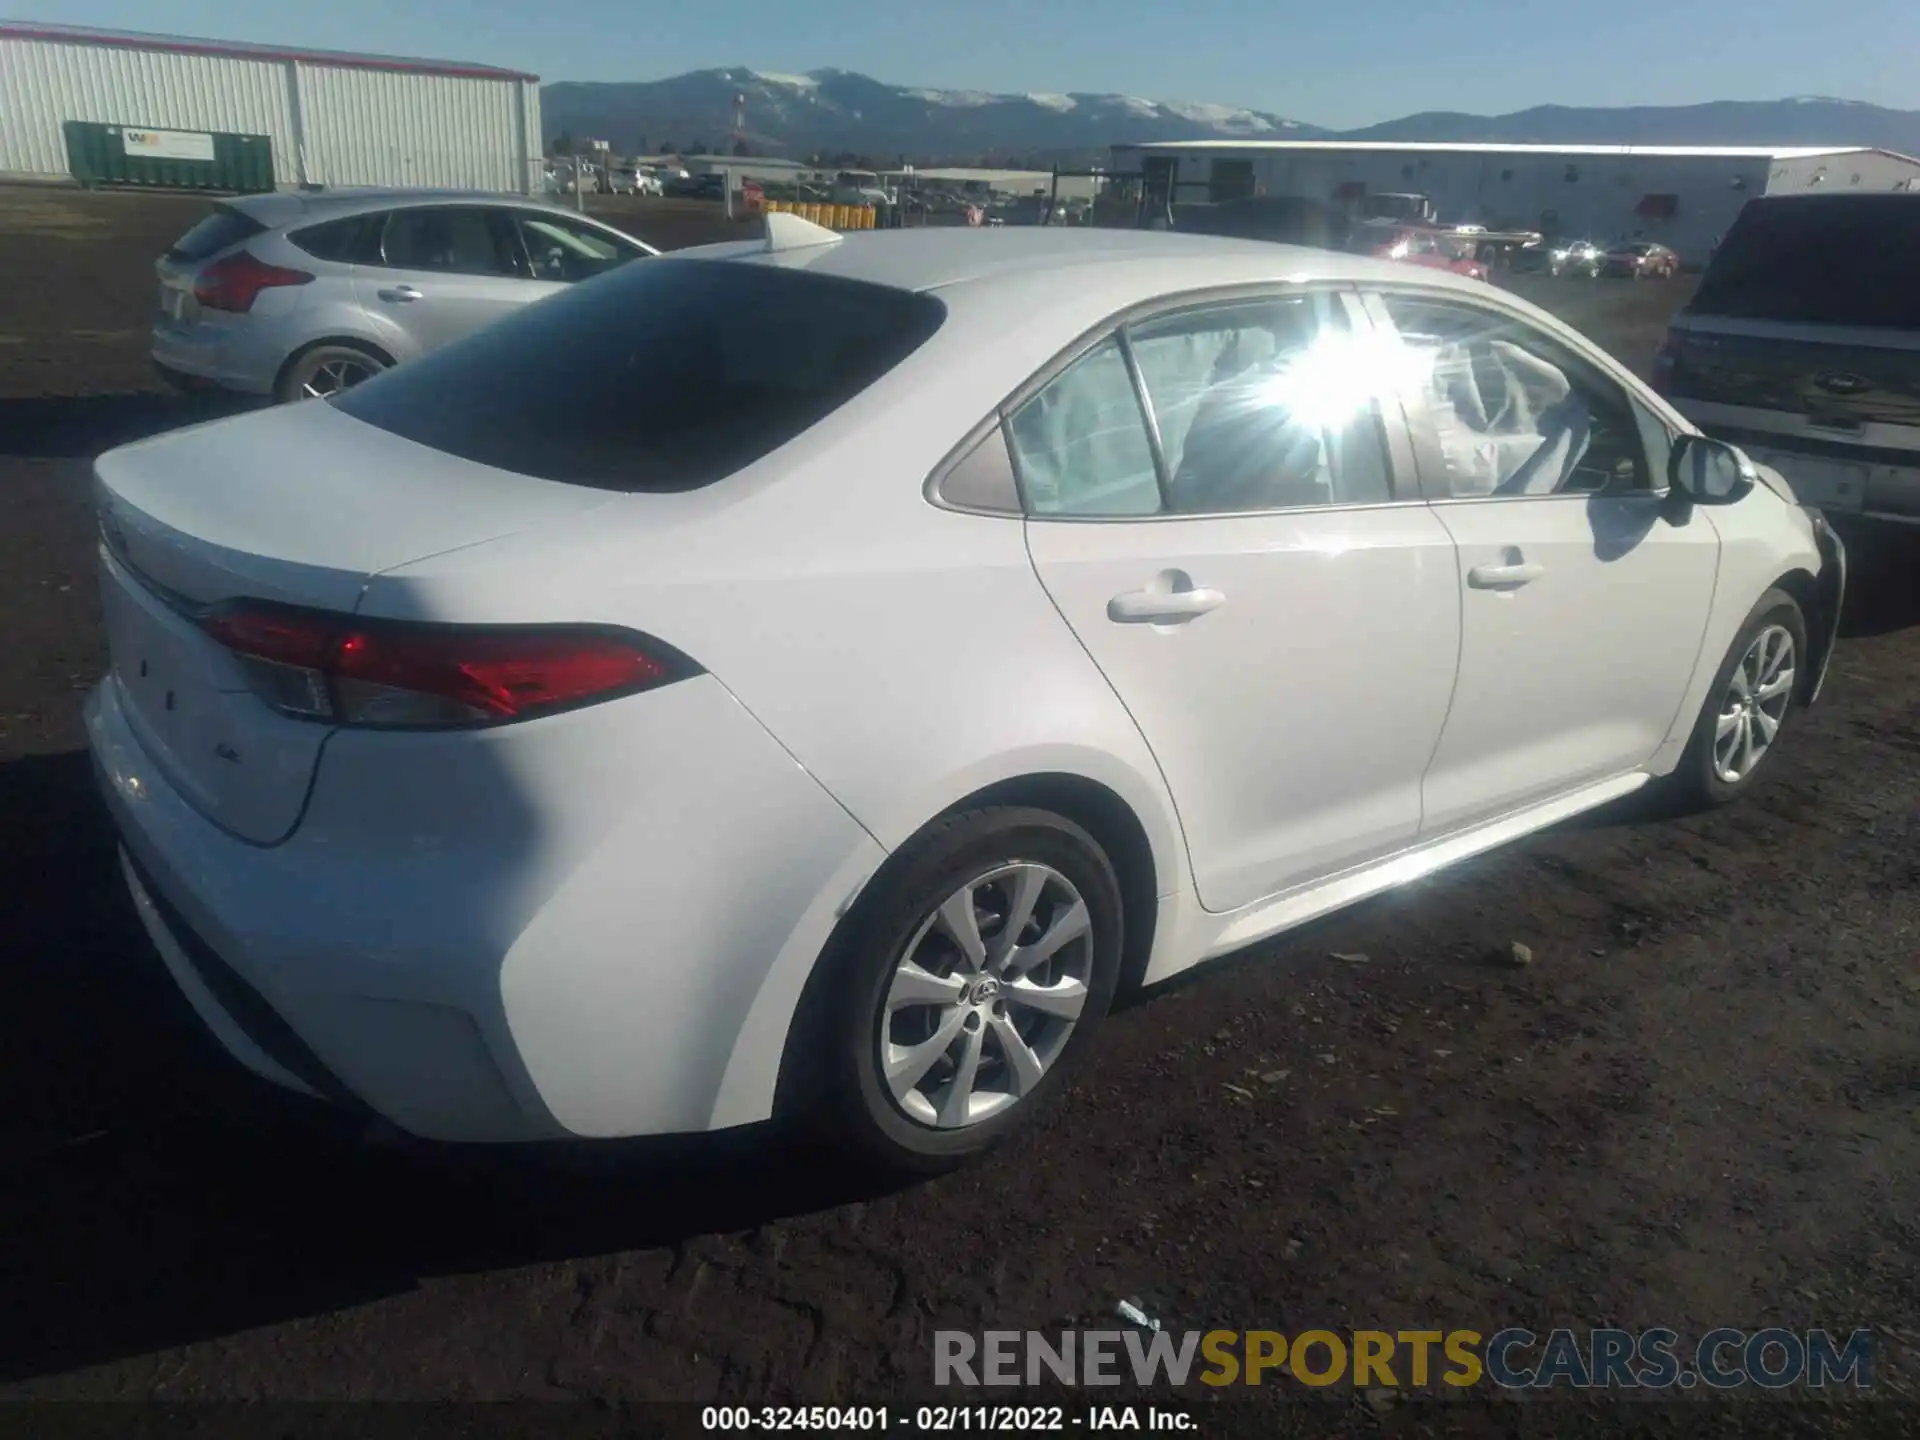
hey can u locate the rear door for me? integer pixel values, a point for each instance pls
(1803, 347)
(444, 271)
(1246, 564)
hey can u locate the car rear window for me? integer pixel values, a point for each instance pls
(225, 226)
(662, 376)
(1819, 260)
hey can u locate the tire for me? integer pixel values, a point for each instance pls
(323, 364)
(1703, 779)
(916, 1127)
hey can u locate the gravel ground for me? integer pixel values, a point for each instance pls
(1695, 1107)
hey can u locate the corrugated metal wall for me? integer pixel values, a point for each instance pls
(379, 127)
(330, 124)
(1858, 170)
(45, 84)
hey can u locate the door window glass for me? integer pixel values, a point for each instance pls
(567, 252)
(1504, 410)
(1265, 405)
(1081, 444)
(457, 240)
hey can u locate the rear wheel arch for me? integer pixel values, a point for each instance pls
(347, 342)
(1094, 807)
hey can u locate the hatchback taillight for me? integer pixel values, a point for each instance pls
(236, 282)
(342, 670)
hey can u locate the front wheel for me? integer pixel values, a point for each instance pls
(971, 988)
(1747, 707)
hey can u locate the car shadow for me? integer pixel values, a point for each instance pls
(1883, 579)
(79, 427)
(153, 1193)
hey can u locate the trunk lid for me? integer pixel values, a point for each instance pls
(300, 505)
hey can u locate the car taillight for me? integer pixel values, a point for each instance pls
(342, 670)
(236, 282)
(1665, 361)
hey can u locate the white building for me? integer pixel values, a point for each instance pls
(332, 118)
(1681, 196)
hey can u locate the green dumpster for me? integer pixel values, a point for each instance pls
(173, 159)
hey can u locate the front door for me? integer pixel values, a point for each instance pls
(443, 272)
(1239, 560)
(1583, 605)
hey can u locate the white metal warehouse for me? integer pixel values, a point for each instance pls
(333, 118)
(1683, 197)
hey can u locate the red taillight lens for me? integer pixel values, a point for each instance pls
(236, 282)
(336, 668)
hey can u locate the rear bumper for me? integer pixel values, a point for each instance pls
(526, 937)
(217, 356)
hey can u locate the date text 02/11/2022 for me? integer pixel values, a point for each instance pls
(942, 1419)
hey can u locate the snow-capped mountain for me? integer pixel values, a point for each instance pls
(838, 110)
(829, 111)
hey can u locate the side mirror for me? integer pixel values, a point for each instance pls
(1709, 472)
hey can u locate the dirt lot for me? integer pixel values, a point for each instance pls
(1696, 1107)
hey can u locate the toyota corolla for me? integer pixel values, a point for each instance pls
(812, 676)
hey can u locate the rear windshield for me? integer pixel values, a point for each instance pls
(222, 228)
(1819, 260)
(660, 376)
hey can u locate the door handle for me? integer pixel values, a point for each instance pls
(1163, 607)
(401, 293)
(1504, 577)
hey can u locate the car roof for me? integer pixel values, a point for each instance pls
(1127, 266)
(290, 207)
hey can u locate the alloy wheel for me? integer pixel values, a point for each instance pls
(985, 996)
(1754, 705)
(330, 377)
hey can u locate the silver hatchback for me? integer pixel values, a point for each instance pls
(297, 295)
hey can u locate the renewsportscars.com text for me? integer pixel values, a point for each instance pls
(1512, 1359)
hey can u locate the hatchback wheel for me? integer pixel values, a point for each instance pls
(971, 988)
(1747, 708)
(327, 370)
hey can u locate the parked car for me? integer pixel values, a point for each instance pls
(295, 295)
(632, 180)
(524, 745)
(1802, 345)
(1559, 256)
(1435, 249)
(1640, 260)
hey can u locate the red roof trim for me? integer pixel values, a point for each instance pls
(172, 46)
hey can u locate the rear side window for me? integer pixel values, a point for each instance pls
(352, 241)
(225, 226)
(1819, 260)
(659, 377)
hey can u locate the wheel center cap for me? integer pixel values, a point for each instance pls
(984, 990)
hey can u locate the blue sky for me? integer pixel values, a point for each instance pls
(1337, 64)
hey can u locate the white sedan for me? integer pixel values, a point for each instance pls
(813, 676)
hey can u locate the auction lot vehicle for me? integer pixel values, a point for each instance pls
(1558, 256)
(1640, 260)
(302, 295)
(1802, 345)
(580, 732)
(1417, 245)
